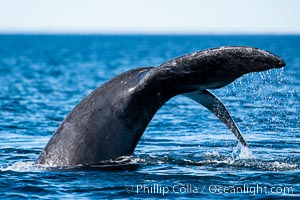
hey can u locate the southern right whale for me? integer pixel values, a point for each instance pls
(109, 122)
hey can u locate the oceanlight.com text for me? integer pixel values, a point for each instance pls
(248, 189)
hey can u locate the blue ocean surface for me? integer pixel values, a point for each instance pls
(185, 152)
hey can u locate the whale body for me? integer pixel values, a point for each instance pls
(109, 122)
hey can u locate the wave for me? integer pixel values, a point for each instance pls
(241, 157)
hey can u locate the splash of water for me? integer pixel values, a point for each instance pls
(32, 167)
(21, 167)
(241, 152)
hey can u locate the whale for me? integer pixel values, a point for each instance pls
(109, 122)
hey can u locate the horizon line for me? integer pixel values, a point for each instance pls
(64, 32)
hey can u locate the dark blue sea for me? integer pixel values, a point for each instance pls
(186, 152)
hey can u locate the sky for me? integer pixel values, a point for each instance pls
(150, 16)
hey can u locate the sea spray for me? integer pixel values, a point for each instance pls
(242, 152)
(20, 167)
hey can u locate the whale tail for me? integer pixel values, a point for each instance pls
(192, 74)
(215, 105)
(109, 122)
(211, 68)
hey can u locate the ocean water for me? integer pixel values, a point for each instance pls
(186, 152)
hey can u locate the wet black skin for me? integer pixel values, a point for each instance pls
(109, 122)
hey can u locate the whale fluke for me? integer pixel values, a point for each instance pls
(212, 68)
(215, 105)
(109, 122)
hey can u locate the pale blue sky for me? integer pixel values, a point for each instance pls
(150, 16)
